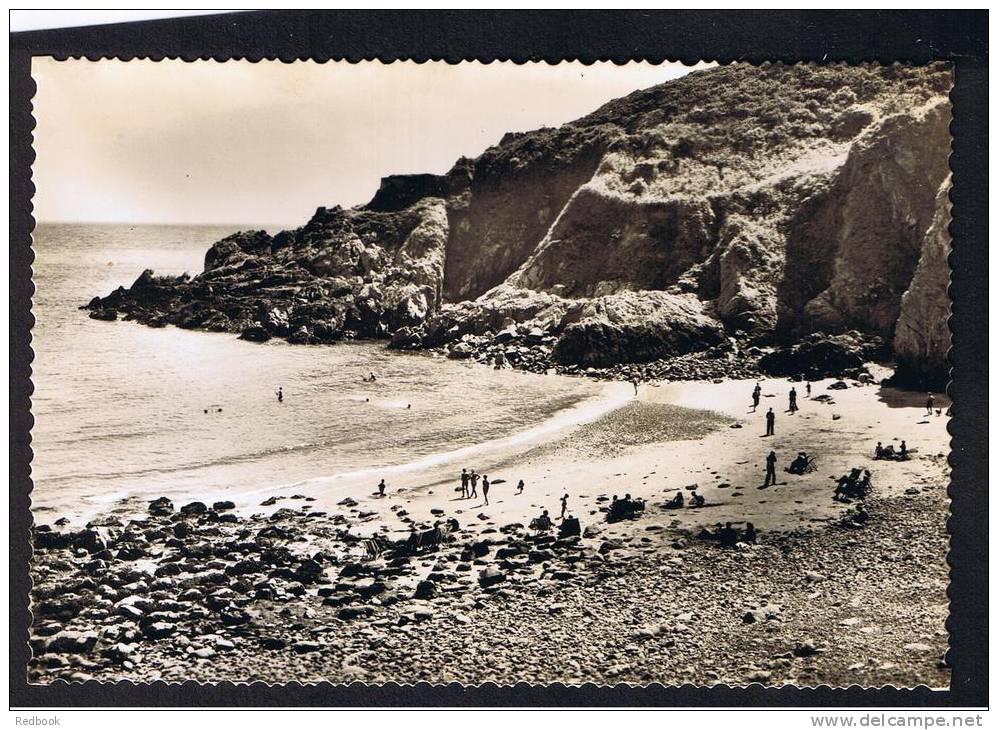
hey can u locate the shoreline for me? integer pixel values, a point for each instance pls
(292, 592)
(672, 436)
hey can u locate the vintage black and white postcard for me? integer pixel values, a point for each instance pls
(548, 373)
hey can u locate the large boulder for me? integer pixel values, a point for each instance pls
(823, 356)
(637, 327)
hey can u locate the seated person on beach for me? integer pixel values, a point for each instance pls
(855, 518)
(542, 523)
(799, 465)
(696, 500)
(728, 535)
(846, 483)
(676, 502)
(852, 485)
(623, 508)
(878, 453)
(750, 533)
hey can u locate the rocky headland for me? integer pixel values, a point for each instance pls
(738, 220)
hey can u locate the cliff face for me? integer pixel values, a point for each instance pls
(922, 339)
(757, 203)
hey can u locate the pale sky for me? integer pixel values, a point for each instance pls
(268, 142)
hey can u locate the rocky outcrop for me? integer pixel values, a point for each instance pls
(879, 208)
(922, 339)
(762, 203)
(637, 327)
(347, 273)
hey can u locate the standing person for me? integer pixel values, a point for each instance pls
(770, 469)
(634, 382)
(929, 403)
(756, 394)
(564, 506)
(770, 422)
(793, 400)
(474, 484)
(485, 487)
(465, 480)
(280, 394)
(519, 487)
(904, 450)
(381, 488)
(808, 388)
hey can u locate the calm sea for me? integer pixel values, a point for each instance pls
(120, 408)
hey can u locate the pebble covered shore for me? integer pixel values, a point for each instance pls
(199, 592)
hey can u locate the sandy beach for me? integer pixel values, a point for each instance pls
(670, 437)
(245, 591)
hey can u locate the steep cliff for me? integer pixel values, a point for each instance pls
(755, 203)
(921, 339)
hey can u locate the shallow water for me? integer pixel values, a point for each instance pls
(120, 408)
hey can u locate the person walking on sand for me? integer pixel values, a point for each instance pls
(929, 403)
(770, 422)
(770, 469)
(793, 400)
(564, 507)
(280, 394)
(519, 487)
(381, 488)
(485, 487)
(474, 485)
(465, 481)
(756, 394)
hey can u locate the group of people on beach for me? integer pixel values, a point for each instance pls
(469, 490)
(853, 485)
(729, 536)
(543, 523)
(799, 465)
(805, 463)
(469, 485)
(889, 453)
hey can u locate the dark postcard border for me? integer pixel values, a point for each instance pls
(825, 36)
